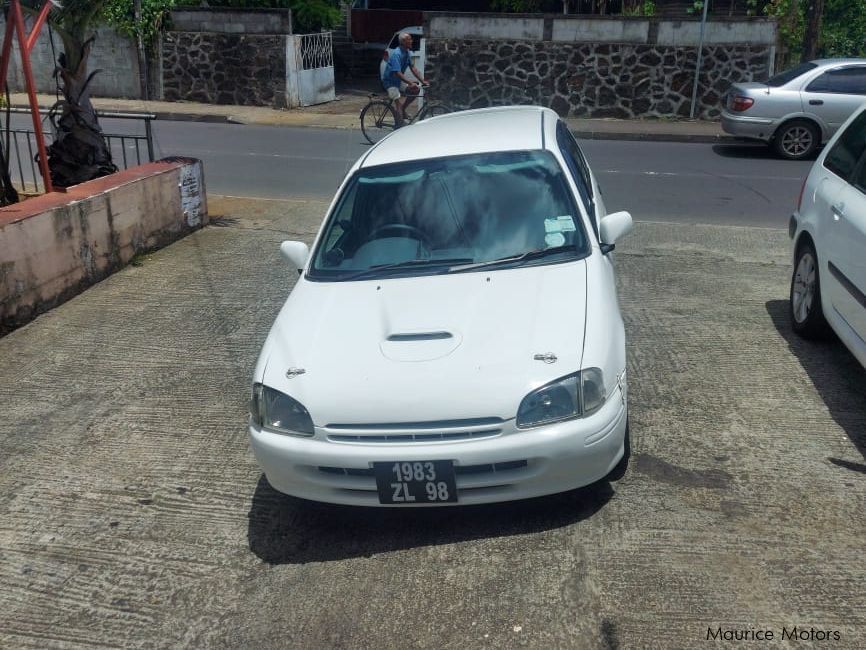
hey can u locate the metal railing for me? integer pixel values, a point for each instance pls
(126, 148)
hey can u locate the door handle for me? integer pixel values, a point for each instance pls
(838, 211)
(816, 102)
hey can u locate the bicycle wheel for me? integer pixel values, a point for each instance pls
(378, 119)
(434, 110)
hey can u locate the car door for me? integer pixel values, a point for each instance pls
(849, 266)
(835, 94)
(840, 200)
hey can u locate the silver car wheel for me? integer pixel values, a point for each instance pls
(803, 290)
(797, 141)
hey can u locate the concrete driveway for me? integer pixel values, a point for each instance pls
(132, 512)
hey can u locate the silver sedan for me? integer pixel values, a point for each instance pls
(798, 110)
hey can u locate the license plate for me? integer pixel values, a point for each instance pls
(417, 481)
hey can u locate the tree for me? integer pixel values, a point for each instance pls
(79, 152)
(812, 35)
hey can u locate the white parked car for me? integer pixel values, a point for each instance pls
(828, 285)
(454, 336)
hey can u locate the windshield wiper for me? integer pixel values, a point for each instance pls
(380, 268)
(522, 257)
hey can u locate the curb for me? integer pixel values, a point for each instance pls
(659, 137)
(633, 136)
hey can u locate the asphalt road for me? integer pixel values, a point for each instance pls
(132, 513)
(655, 181)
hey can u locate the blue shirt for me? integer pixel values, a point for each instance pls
(398, 61)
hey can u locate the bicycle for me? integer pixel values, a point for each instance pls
(379, 116)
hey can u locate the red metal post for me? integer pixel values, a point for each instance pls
(37, 26)
(18, 18)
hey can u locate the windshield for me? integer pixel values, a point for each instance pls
(442, 215)
(789, 75)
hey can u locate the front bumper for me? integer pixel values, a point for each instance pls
(558, 457)
(758, 128)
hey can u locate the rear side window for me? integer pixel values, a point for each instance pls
(789, 75)
(843, 157)
(845, 81)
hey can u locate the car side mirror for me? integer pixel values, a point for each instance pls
(296, 252)
(612, 228)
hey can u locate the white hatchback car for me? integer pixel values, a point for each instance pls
(828, 285)
(454, 336)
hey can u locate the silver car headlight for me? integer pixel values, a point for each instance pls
(270, 409)
(573, 396)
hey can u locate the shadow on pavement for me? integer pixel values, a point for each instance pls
(286, 530)
(838, 377)
(745, 150)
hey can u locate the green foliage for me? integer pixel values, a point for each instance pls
(844, 28)
(638, 8)
(154, 13)
(307, 15)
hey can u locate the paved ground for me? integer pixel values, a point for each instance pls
(345, 111)
(132, 512)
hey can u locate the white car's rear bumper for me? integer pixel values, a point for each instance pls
(516, 464)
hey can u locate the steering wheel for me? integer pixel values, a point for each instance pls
(412, 230)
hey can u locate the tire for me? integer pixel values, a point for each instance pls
(435, 110)
(797, 140)
(378, 119)
(807, 316)
(619, 470)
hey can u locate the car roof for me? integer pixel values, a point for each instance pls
(504, 128)
(826, 62)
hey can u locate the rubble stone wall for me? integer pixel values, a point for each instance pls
(221, 68)
(591, 79)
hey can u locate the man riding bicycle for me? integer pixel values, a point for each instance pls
(401, 89)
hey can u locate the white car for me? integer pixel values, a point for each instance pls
(828, 285)
(454, 336)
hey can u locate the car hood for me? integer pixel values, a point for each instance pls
(427, 348)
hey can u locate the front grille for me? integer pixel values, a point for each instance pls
(416, 437)
(487, 468)
(402, 432)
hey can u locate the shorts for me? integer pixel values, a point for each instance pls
(394, 92)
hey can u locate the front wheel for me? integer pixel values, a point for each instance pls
(378, 119)
(435, 110)
(797, 140)
(807, 317)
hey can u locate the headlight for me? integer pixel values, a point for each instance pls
(273, 410)
(570, 397)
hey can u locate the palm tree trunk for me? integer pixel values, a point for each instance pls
(79, 152)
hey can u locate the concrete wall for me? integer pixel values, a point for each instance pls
(594, 67)
(599, 29)
(56, 245)
(112, 53)
(233, 21)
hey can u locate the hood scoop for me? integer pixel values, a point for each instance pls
(421, 336)
(420, 346)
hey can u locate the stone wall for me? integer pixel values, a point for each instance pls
(221, 68)
(590, 80)
(593, 66)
